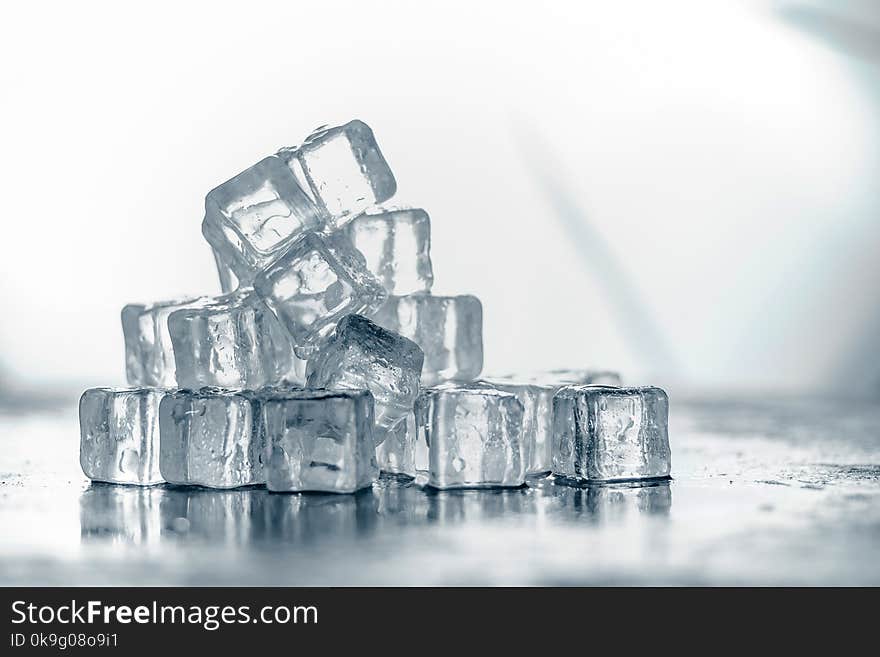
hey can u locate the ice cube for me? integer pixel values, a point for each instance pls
(474, 436)
(537, 429)
(314, 284)
(149, 356)
(318, 440)
(397, 247)
(254, 216)
(211, 438)
(448, 329)
(604, 433)
(361, 355)
(119, 435)
(400, 453)
(233, 341)
(344, 169)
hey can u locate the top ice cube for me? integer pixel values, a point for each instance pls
(344, 169)
(252, 217)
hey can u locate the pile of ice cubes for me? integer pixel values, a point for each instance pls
(328, 359)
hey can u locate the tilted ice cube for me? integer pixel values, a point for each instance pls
(397, 247)
(448, 329)
(474, 436)
(604, 433)
(537, 429)
(149, 356)
(318, 440)
(400, 453)
(252, 217)
(314, 284)
(119, 435)
(361, 355)
(344, 169)
(232, 342)
(210, 437)
(227, 277)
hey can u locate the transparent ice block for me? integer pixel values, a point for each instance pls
(318, 440)
(605, 433)
(474, 436)
(361, 355)
(119, 435)
(448, 329)
(211, 437)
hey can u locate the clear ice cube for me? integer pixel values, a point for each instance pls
(254, 216)
(149, 356)
(233, 341)
(361, 355)
(604, 433)
(474, 436)
(210, 437)
(448, 329)
(537, 429)
(314, 284)
(400, 453)
(397, 247)
(119, 435)
(563, 377)
(344, 169)
(318, 440)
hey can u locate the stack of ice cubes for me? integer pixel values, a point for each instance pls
(327, 358)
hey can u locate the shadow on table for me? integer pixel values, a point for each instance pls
(252, 517)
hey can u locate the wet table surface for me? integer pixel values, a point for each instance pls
(765, 491)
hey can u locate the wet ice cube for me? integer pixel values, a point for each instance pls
(232, 342)
(474, 436)
(563, 377)
(344, 169)
(149, 356)
(318, 440)
(537, 429)
(448, 329)
(119, 435)
(361, 355)
(210, 438)
(252, 217)
(397, 247)
(604, 433)
(314, 284)
(400, 453)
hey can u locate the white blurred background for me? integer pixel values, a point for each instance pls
(686, 191)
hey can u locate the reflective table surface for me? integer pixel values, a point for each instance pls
(764, 491)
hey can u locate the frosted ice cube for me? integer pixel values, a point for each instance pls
(149, 356)
(318, 440)
(254, 216)
(233, 341)
(474, 436)
(397, 247)
(448, 329)
(210, 438)
(344, 169)
(604, 433)
(537, 429)
(314, 284)
(361, 355)
(119, 435)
